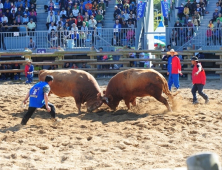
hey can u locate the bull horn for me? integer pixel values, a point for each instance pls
(106, 99)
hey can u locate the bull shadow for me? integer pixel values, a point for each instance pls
(106, 116)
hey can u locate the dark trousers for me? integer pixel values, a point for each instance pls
(31, 110)
(199, 88)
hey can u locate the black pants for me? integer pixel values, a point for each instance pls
(199, 88)
(31, 110)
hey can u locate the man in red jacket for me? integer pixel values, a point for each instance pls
(199, 80)
(173, 69)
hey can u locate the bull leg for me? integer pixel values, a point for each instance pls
(164, 101)
(78, 104)
(133, 102)
(127, 104)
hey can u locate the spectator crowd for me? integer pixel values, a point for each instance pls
(72, 23)
(16, 13)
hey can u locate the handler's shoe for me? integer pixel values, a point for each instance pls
(195, 102)
(206, 101)
(55, 121)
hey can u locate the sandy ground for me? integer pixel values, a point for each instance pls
(145, 137)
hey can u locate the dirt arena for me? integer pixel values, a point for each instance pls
(145, 137)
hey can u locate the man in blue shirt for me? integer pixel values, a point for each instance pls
(38, 98)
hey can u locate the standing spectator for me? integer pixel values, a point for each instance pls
(76, 38)
(198, 80)
(197, 16)
(216, 36)
(219, 17)
(211, 25)
(218, 24)
(195, 22)
(31, 44)
(124, 29)
(53, 39)
(116, 12)
(177, 26)
(130, 36)
(180, 11)
(92, 23)
(52, 26)
(117, 28)
(115, 41)
(82, 37)
(174, 69)
(29, 72)
(209, 35)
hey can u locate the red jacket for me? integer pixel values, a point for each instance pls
(26, 69)
(200, 78)
(174, 66)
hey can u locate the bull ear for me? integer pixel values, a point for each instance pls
(110, 97)
(99, 96)
(104, 92)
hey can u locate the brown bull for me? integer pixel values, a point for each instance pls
(74, 83)
(132, 83)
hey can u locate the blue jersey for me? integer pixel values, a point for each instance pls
(36, 95)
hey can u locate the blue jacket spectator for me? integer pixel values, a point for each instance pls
(180, 11)
(132, 6)
(120, 6)
(116, 12)
(18, 3)
(7, 5)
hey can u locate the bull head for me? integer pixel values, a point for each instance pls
(104, 98)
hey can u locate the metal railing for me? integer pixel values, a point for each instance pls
(194, 37)
(106, 38)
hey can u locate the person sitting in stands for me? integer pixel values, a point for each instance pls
(74, 66)
(67, 65)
